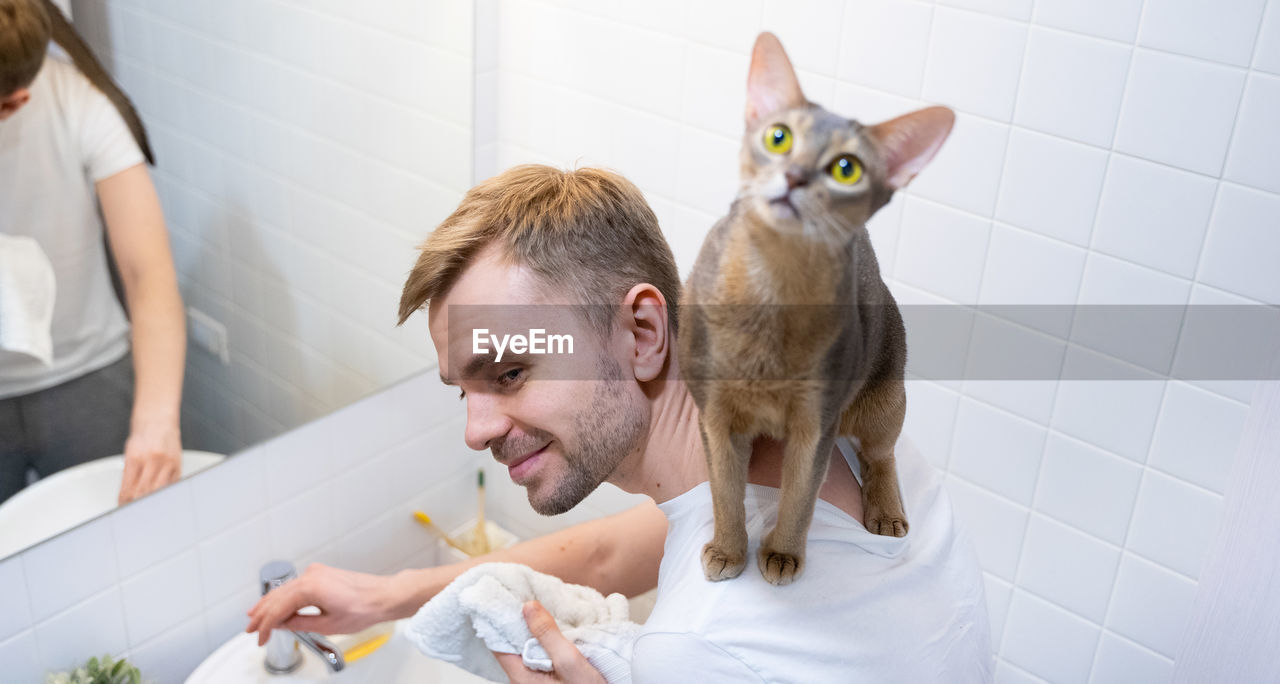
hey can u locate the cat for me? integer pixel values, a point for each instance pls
(786, 328)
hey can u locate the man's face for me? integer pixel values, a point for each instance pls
(561, 423)
(11, 103)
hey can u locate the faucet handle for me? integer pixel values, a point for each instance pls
(276, 573)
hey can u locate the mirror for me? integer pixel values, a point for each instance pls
(302, 150)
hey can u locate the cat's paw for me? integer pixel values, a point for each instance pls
(777, 567)
(718, 564)
(886, 524)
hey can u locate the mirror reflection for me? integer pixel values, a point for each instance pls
(155, 317)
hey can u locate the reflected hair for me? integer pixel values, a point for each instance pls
(587, 230)
(24, 41)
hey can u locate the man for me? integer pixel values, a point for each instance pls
(535, 242)
(65, 153)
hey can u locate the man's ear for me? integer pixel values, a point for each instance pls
(645, 319)
(14, 101)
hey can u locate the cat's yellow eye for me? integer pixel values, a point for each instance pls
(846, 169)
(778, 139)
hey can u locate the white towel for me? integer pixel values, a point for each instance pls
(27, 292)
(481, 611)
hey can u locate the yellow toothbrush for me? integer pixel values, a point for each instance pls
(426, 522)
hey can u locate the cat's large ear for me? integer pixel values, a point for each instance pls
(910, 141)
(771, 83)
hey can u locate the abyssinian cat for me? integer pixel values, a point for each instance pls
(787, 329)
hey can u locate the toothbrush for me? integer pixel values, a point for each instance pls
(426, 522)
(481, 533)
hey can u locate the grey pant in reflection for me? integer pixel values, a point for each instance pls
(65, 425)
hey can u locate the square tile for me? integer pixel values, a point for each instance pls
(966, 172)
(1197, 435)
(708, 171)
(1012, 674)
(810, 31)
(1154, 215)
(1088, 488)
(154, 528)
(1052, 546)
(15, 602)
(301, 524)
(931, 416)
(1202, 30)
(1150, 605)
(634, 155)
(726, 24)
(58, 575)
(1051, 186)
(1243, 247)
(1048, 641)
(1114, 19)
(996, 526)
(871, 106)
(423, 463)
(1072, 86)
(164, 597)
(1121, 660)
(1116, 415)
(1130, 313)
(93, 627)
(1266, 56)
(885, 43)
(1016, 368)
(1170, 95)
(997, 450)
(1200, 344)
(229, 562)
(942, 250)
(1032, 280)
(714, 96)
(230, 615)
(1174, 523)
(974, 62)
(1255, 144)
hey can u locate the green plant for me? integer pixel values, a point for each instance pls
(105, 670)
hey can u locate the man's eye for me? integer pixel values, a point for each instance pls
(510, 376)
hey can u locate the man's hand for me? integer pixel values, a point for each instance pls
(348, 602)
(568, 662)
(152, 459)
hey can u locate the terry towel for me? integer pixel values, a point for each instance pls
(27, 291)
(481, 611)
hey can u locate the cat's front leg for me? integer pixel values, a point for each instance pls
(808, 453)
(727, 458)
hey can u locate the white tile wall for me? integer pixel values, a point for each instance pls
(297, 165)
(1087, 165)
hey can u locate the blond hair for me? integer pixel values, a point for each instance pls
(587, 230)
(24, 39)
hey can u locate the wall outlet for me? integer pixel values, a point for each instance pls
(208, 334)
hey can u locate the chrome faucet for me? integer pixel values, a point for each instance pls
(283, 656)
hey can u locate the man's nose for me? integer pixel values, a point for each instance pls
(485, 422)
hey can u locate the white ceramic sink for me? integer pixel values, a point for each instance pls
(69, 497)
(239, 661)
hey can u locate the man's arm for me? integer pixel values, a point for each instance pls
(619, 553)
(136, 233)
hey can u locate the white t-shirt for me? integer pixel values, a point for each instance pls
(52, 152)
(866, 608)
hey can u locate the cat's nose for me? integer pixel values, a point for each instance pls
(796, 177)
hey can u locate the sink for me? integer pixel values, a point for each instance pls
(72, 496)
(239, 661)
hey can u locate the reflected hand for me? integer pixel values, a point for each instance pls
(568, 663)
(152, 459)
(348, 602)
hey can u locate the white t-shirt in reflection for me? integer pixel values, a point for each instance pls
(52, 153)
(867, 608)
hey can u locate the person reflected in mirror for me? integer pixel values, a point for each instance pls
(70, 168)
